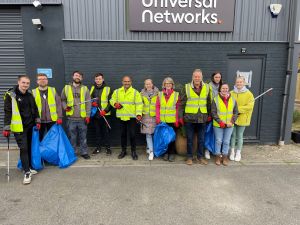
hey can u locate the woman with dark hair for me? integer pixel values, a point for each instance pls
(214, 84)
(224, 112)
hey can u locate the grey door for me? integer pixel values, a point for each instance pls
(12, 61)
(253, 65)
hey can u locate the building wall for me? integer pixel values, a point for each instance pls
(156, 60)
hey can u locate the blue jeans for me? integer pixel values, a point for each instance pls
(222, 137)
(78, 128)
(190, 130)
(149, 139)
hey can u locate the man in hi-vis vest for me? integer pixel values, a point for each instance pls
(101, 91)
(129, 107)
(20, 116)
(196, 108)
(48, 103)
(76, 99)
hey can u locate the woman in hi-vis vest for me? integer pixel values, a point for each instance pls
(224, 112)
(214, 84)
(167, 105)
(149, 94)
(245, 101)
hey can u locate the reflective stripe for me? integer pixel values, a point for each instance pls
(194, 102)
(70, 100)
(168, 109)
(224, 113)
(16, 124)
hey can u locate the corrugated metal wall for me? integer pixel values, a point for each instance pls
(12, 61)
(106, 20)
(18, 2)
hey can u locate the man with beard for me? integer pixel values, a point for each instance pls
(129, 105)
(101, 91)
(48, 103)
(21, 115)
(75, 99)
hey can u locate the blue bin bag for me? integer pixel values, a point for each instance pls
(93, 111)
(36, 160)
(209, 142)
(163, 136)
(66, 152)
(49, 146)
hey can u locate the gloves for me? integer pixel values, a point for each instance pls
(94, 104)
(118, 106)
(209, 118)
(102, 113)
(59, 121)
(222, 124)
(38, 126)
(87, 120)
(68, 109)
(176, 124)
(181, 122)
(157, 121)
(6, 133)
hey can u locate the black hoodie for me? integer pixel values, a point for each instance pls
(27, 107)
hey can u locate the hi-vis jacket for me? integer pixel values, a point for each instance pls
(131, 101)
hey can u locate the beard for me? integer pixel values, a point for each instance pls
(77, 81)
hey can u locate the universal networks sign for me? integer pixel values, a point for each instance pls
(181, 15)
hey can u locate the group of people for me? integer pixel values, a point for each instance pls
(192, 107)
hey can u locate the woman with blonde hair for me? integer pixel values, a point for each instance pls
(167, 106)
(149, 94)
(245, 102)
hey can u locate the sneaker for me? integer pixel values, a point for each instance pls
(148, 151)
(27, 178)
(231, 157)
(96, 151)
(151, 156)
(108, 151)
(86, 156)
(189, 162)
(202, 161)
(171, 158)
(238, 156)
(207, 154)
(33, 172)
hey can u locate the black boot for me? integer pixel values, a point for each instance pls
(96, 151)
(134, 155)
(108, 151)
(122, 154)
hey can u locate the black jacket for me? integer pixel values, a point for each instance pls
(97, 94)
(27, 107)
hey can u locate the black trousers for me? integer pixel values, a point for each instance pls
(171, 146)
(45, 127)
(24, 143)
(128, 126)
(102, 132)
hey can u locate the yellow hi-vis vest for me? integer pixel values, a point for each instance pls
(70, 100)
(104, 97)
(149, 106)
(168, 109)
(225, 114)
(51, 101)
(195, 102)
(131, 101)
(16, 125)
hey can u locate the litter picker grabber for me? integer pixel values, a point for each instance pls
(93, 99)
(7, 159)
(105, 119)
(262, 94)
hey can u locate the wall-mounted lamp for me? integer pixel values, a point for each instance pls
(243, 50)
(37, 4)
(37, 23)
(275, 9)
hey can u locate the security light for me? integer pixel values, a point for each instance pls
(37, 22)
(37, 4)
(275, 9)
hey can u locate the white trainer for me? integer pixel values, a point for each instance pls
(151, 156)
(207, 154)
(27, 178)
(33, 172)
(231, 157)
(238, 156)
(148, 151)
